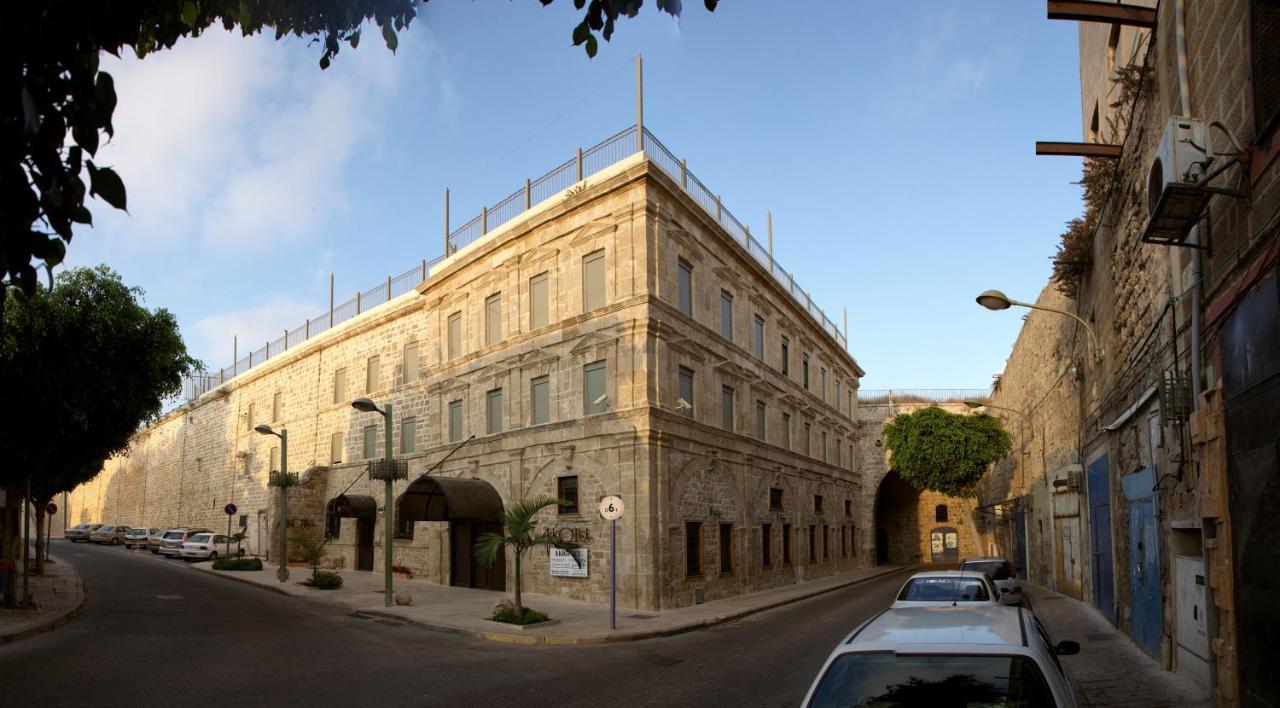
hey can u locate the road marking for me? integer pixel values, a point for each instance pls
(170, 597)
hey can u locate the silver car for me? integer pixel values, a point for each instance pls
(171, 544)
(153, 541)
(79, 532)
(204, 546)
(110, 534)
(1001, 573)
(137, 538)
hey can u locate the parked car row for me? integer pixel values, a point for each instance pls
(190, 544)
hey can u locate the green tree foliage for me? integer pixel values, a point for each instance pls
(57, 104)
(521, 534)
(82, 367)
(944, 452)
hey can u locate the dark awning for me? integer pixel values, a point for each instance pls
(353, 505)
(447, 499)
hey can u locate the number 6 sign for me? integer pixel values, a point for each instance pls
(611, 508)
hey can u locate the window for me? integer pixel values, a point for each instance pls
(493, 319)
(726, 315)
(839, 453)
(726, 548)
(335, 448)
(808, 435)
(844, 541)
(1113, 44)
(786, 544)
(692, 549)
(817, 503)
(540, 400)
(594, 398)
(940, 513)
(274, 464)
(757, 337)
(593, 281)
(370, 441)
(408, 436)
(848, 507)
(760, 420)
(455, 421)
(339, 385)
(409, 364)
(685, 392)
(826, 542)
(824, 446)
(726, 407)
(493, 412)
(804, 371)
(275, 407)
(786, 430)
(248, 418)
(371, 374)
(766, 545)
(822, 382)
(775, 499)
(1264, 25)
(455, 335)
(539, 300)
(786, 356)
(684, 287)
(567, 493)
(813, 542)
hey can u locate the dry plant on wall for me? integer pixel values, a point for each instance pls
(1100, 177)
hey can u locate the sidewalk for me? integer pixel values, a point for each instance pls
(463, 611)
(1110, 669)
(58, 595)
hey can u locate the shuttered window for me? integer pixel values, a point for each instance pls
(786, 356)
(726, 315)
(567, 493)
(593, 388)
(786, 430)
(455, 421)
(804, 371)
(249, 418)
(822, 383)
(335, 448)
(409, 367)
(760, 420)
(275, 460)
(686, 392)
(370, 441)
(540, 400)
(824, 446)
(455, 335)
(808, 434)
(408, 436)
(339, 385)
(1264, 28)
(372, 374)
(493, 319)
(726, 407)
(275, 407)
(684, 287)
(593, 281)
(493, 411)
(757, 337)
(539, 298)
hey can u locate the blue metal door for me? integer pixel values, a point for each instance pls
(1146, 623)
(1104, 597)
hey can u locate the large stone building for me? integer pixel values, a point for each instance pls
(623, 335)
(1152, 484)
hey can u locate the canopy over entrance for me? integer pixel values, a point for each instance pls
(448, 499)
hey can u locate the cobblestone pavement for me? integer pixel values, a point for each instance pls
(156, 632)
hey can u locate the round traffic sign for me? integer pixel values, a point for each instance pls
(230, 509)
(51, 509)
(611, 508)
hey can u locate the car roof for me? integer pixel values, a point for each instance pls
(942, 574)
(985, 559)
(899, 627)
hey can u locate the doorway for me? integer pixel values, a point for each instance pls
(473, 508)
(1099, 483)
(364, 543)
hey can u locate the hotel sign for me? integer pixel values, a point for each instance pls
(563, 565)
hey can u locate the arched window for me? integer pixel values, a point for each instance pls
(940, 513)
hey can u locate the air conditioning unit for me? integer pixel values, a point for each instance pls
(1175, 199)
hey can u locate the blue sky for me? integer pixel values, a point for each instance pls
(893, 143)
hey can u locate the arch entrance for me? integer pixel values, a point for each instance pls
(898, 523)
(472, 507)
(364, 510)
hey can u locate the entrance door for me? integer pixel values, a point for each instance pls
(1145, 622)
(1100, 538)
(944, 545)
(1193, 640)
(364, 543)
(464, 570)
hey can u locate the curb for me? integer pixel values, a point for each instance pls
(228, 575)
(56, 620)
(581, 640)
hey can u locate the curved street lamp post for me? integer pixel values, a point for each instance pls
(388, 471)
(996, 300)
(282, 480)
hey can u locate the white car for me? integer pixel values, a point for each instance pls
(999, 570)
(205, 546)
(973, 654)
(949, 587)
(137, 538)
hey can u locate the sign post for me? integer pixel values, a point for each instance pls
(48, 534)
(230, 510)
(611, 509)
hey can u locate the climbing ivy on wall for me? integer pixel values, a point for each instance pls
(944, 452)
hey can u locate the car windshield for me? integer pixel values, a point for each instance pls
(201, 538)
(173, 535)
(887, 680)
(948, 589)
(996, 569)
(138, 532)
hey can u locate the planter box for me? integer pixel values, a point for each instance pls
(523, 627)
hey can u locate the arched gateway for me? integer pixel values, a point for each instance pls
(364, 510)
(472, 507)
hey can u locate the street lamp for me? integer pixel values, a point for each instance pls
(980, 404)
(996, 300)
(282, 480)
(389, 471)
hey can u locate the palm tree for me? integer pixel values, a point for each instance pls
(520, 534)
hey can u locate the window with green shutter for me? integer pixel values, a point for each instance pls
(409, 367)
(275, 407)
(455, 335)
(786, 356)
(455, 421)
(757, 341)
(726, 315)
(493, 319)
(760, 420)
(684, 287)
(339, 385)
(786, 430)
(335, 448)
(685, 392)
(595, 400)
(493, 411)
(249, 418)
(540, 400)
(808, 435)
(726, 407)
(539, 299)
(408, 435)
(370, 441)
(593, 281)
(372, 374)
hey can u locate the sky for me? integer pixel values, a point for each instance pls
(893, 143)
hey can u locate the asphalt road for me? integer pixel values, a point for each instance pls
(155, 632)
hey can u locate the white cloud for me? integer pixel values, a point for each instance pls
(968, 74)
(213, 337)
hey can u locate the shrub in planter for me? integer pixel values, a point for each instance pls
(237, 564)
(325, 580)
(506, 612)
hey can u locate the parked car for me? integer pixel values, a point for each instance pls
(1000, 571)
(153, 541)
(963, 655)
(137, 538)
(110, 534)
(204, 546)
(79, 532)
(171, 544)
(949, 587)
